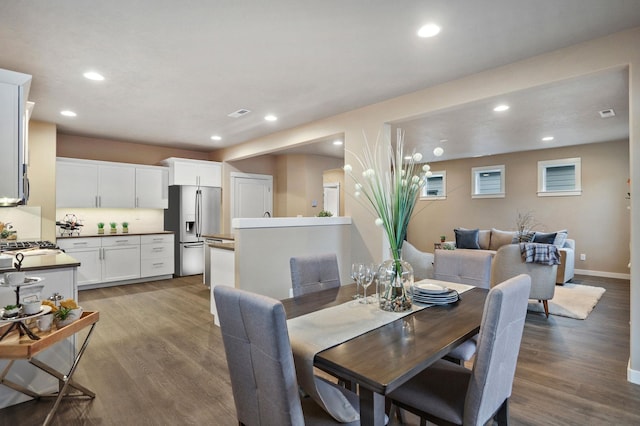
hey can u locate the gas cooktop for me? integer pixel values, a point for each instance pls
(23, 245)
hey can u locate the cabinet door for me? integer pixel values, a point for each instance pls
(76, 184)
(152, 188)
(90, 269)
(210, 174)
(120, 263)
(116, 186)
(9, 122)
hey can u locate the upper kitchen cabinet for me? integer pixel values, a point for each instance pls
(14, 90)
(152, 187)
(88, 183)
(184, 171)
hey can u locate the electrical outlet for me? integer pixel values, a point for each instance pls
(583, 256)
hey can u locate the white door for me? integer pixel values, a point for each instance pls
(332, 198)
(251, 195)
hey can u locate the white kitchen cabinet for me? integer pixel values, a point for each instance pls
(120, 258)
(76, 184)
(156, 255)
(183, 171)
(152, 187)
(88, 252)
(88, 183)
(116, 186)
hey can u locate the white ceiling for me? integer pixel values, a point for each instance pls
(174, 70)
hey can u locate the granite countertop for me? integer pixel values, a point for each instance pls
(224, 246)
(47, 261)
(108, 234)
(220, 236)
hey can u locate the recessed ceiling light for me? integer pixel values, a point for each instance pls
(92, 75)
(547, 138)
(270, 117)
(216, 138)
(68, 113)
(501, 108)
(428, 30)
(337, 142)
(438, 151)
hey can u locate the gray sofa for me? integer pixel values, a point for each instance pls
(488, 242)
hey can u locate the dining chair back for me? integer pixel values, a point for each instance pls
(313, 273)
(447, 393)
(260, 361)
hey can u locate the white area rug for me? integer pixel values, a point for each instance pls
(571, 300)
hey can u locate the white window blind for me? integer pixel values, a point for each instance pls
(487, 182)
(559, 177)
(435, 186)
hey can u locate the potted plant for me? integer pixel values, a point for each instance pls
(100, 227)
(125, 227)
(443, 238)
(11, 311)
(325, 213)
(113, 227)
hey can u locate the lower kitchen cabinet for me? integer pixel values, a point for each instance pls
(120, 258)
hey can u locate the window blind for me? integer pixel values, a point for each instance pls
(560, 178)
(489, 183)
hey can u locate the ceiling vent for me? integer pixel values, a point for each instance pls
(607, 113)
(239, 113)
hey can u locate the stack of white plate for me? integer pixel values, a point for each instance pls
(434, 294)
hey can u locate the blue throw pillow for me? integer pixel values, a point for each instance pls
(544, 238)
(467, 238)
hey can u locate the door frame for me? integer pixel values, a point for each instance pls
(232, 180)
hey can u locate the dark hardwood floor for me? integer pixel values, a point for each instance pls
(157, 359)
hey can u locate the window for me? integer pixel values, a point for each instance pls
(436, 186)
(558, 178)
(487, 182)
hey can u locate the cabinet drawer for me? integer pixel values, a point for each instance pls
(154, 267)
(120, 240)
(78, 243)
(156, 251)
(156, 238)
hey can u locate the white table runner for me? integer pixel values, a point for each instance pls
(320, 330)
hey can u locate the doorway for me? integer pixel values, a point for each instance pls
(251, 195)
(332, 198)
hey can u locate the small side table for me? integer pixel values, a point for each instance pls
(17, 346)
(437, 245)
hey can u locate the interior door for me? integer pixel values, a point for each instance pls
(252, 195)
(332, 198)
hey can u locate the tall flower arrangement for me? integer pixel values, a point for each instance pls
(390, 186)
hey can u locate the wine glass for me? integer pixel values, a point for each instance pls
(368, 275)
(356, 275)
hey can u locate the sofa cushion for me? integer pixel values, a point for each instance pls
(484, 239)
(501, 238)
(544, 237)
(561, 237)
(526, 237)
(467, 238)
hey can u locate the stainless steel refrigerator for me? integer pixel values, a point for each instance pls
(193, 212)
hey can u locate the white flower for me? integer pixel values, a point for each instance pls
(347, 168)
(402, 172)
(415, 179)
(369, 173)
(404, 182)
(425, 168)
(379, 222)
(357, 193)
(428, 174)
(358, 186)
(417, 157)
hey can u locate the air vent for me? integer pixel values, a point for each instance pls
(607, 113)
(239, 113)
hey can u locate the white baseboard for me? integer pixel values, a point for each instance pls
(633, 375)
(603, 274)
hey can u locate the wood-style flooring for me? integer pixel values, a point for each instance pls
(157, 359)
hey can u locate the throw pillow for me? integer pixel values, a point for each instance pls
(526, 237)
(484, 237)
(467, 238)
(501, 238)
(544, 238)
(561, 237)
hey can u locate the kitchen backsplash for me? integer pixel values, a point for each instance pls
(24, 220)
(139, 220)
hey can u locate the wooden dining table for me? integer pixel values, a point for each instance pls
(381, 360)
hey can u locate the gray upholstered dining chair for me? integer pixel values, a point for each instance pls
(313, 273)
(260, 361)
(446, 393)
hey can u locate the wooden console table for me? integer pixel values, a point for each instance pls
(16, 346)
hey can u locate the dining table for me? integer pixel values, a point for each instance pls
(382, 359)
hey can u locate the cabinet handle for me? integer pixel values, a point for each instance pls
(158, 264)
(158, 249)
(99, 200)
(158, 239)
(122, 241)
(80, 244)
(137, 201)
(97, 205)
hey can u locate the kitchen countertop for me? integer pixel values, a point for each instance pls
(108, 234)
(224, 246)
(47, 261)
(221, 236)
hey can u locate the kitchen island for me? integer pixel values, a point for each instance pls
(59, 275)
(258, 258)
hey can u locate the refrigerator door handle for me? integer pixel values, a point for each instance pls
(198, 212)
